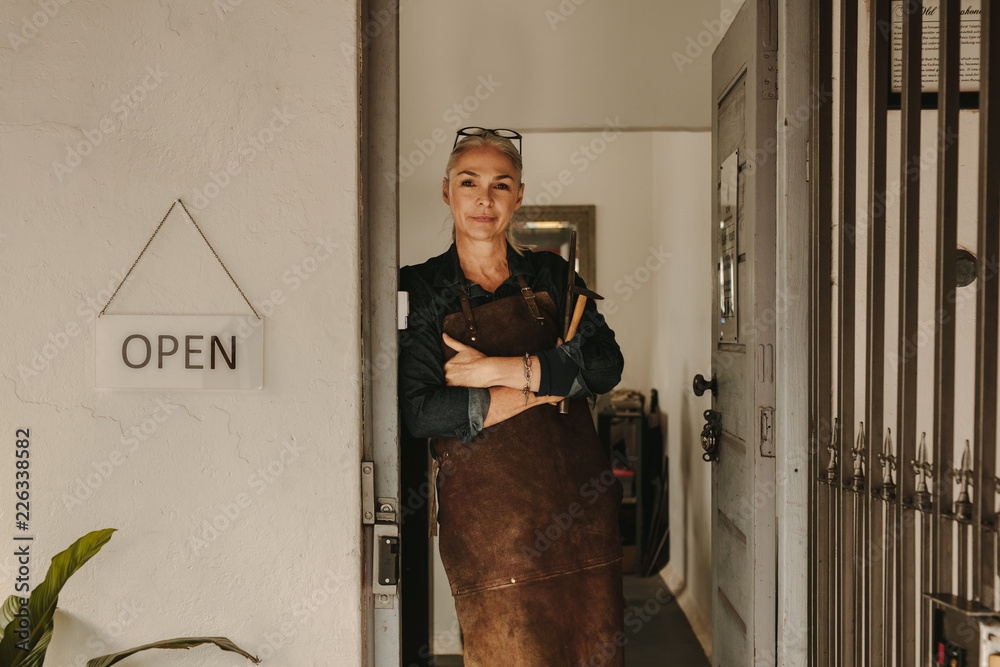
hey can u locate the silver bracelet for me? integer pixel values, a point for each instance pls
(527, 377)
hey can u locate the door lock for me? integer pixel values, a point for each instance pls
(381, 515)
(710, 435)
(387, 572)
(385, 556)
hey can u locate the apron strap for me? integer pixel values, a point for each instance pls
(529, 298)
(470, 321)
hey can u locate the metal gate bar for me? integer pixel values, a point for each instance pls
(875, 543)
(984, 453)
(963, 559)
(846, 352)
(867, 539)
(907, 595)
(944, 295)
(821, 387)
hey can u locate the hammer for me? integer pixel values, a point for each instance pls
(581, 303)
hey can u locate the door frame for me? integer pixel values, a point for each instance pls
(744, 488)
(795, 276)
(797, 103)
(377, 56)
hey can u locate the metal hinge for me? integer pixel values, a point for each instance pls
(385, 551)
(367, 492)
(769, 75)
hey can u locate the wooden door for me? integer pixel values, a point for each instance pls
(744, 557)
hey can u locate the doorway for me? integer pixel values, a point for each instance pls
(626, 147)
(587, 147)
(639, 269)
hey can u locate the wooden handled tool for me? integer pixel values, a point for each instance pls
(567, 318)
(581, 303)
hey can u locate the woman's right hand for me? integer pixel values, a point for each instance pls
(506, 402)
(468, 368)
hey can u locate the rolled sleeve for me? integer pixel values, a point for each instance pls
(558, 372)
(428, 406)
(479, 405)
(448, 412)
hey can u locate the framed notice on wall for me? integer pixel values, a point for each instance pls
(969, 15)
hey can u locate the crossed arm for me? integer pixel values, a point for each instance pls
(502, 376)
(461, 396)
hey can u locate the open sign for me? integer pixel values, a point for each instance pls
(180, 352)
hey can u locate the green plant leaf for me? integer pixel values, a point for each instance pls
(36, 656)
(45, 597)
(7, 611)
(43, 600)
(180, 642)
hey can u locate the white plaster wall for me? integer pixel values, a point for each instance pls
(268, 479)
(681, 294)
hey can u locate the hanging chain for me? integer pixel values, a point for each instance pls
(204, 238)
(155, 232)
(240, 289)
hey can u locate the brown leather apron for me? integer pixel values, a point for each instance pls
(529, 515)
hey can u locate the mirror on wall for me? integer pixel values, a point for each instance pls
(549, 228)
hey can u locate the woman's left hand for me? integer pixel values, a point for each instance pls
(468, 368)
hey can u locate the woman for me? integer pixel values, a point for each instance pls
(528, 509)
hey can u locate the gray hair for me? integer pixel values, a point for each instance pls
(505, 146)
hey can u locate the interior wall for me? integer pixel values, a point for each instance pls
(237, 512)
(683, 346)
(558, 64)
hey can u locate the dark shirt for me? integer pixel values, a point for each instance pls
(591, 363)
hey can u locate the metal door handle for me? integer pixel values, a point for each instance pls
(700, 384)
